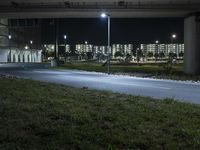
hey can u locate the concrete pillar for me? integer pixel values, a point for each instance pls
(192, 44)
(4, 32)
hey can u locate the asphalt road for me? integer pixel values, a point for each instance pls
(183, 91)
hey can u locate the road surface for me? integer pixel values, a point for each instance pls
(183, 91)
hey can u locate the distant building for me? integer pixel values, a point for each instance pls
(123, 48)
(84, 48)
(166, 49)
(51, 47)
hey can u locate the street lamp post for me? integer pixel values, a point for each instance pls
(65, 40)
(9, 38)
(157, 50)
(104, 15)
(173, 37)
(31, 42)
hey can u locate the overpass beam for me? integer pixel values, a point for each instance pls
(192, 44)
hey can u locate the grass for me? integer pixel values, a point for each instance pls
(155, 70)
(36, 115)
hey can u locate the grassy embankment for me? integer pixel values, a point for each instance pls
(154, 70)
(35, 115)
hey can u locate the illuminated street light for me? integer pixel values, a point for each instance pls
(65, 37)
(157, 49)
(9, 37)
(26, 47)
(86, 42)
(65, 40)
(174, 36)
(31, 42)
(105, 15)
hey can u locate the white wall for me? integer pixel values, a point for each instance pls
(18, 55)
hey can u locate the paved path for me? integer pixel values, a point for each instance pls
(182, 91)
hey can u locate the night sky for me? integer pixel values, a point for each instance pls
(145, 30)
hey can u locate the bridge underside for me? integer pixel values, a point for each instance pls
(92, 8)
(93, 13)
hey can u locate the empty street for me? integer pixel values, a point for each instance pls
(178, 90)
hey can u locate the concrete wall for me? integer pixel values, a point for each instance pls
(4, 32)
(19, 56)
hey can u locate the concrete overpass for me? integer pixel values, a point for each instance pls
(189, 9)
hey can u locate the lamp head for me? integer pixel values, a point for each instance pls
(104, 15)
(26, 47)
(174, 36)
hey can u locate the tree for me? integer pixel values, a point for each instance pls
(118, 54)
(170, 55)
(150, 54)
(181, 54)
(156, 55)
(161, 55)
(89, 55)
(128, 58)
(83, 55)
(139, 54)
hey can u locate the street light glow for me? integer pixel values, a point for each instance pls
(26, 47)
(174, 36)
(65, 37)
(9, 36)
(103, 15)
(86, 42)
(157, 41)
(31, 42)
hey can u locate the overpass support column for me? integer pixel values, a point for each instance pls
(192, 44)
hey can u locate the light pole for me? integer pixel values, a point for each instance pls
(173, 37)
(105, 15)
(65, 40)
(31, 42)
(157, 42)
(9, 38)
(170, 53)
(157, 53)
